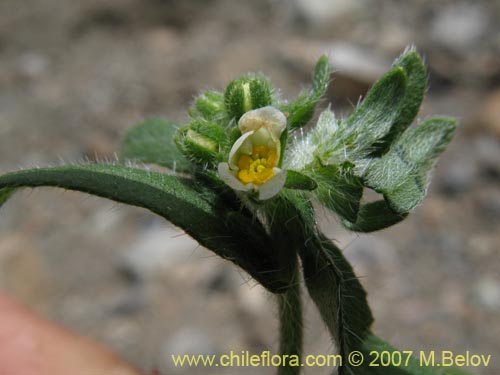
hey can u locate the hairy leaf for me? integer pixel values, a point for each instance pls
(338, 294)
(403, 174)
(321, 76)
(200, 212)
(416, 80)
(338, 189)
(373, 118)
(374, 216)
(416, 76)
(301, 110)
(152, 141)
(299, 181)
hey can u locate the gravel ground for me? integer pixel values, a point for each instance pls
(75, 75)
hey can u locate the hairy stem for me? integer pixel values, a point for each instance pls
(291, 328)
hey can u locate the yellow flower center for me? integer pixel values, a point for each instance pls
(257, 168)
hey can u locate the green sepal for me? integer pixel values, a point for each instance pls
(299, 181)
(374, 216)
(233, 134)
(249, 92)
(301, 110)
(402, 175)
(152, 142)
(284, 144)
(211, 130)
(197, 147)
(229, 231)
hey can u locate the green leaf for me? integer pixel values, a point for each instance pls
(321, 76)
(343, 306)
(329, 278)
(301, 110)
(374, 216)
(338, 294)
(416, 76)
(299, 181)
(403, 174)
(203, 214)
(409, 364)
(414, 70)
(338, 189)
(374, 117)
(152, 141)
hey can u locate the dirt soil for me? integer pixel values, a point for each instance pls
(75, 75)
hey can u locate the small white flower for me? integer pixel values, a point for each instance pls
(254, 157)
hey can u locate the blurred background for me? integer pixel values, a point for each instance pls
(75, 75)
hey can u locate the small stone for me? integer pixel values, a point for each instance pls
(459, 27)
(462, 174)
(489, 114)
(155, 250)
(32, 65)
(358, 63)
(323, 12)
(187, 340)
(253, 300)
(488, 293)
(488, 154)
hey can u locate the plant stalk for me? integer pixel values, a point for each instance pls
(291, 327)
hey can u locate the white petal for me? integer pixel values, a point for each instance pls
(273, 186)
(230, 179)
(240, 148)
(270, 117)
(264, 137)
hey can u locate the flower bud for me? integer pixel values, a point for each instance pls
(208, 105)
(247, 93)
(196, 147)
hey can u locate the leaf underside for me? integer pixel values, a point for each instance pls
(402, 175)
(200, 212)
